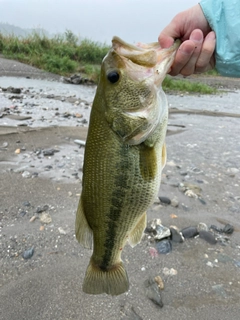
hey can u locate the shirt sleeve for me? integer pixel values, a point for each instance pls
(223, 17)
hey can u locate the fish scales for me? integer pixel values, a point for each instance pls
(124, 157)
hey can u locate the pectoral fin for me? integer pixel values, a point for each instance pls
(136, 233)
(83, 232)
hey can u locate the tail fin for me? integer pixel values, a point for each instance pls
(113, 281)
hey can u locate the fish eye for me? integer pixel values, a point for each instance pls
(113, 76)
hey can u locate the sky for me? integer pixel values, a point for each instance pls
(98, 20)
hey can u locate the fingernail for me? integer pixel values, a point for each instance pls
(211, 36)
(196, 36)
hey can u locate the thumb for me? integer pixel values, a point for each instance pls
(165, 41)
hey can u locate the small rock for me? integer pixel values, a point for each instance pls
(48, 152)
(70, 194)
(215, 228)
(26, 204)
(164, 200)
(17, 151)
(209, 264)
(27, 254)
(173, 216)
(207, 236)
(202, 226)
(153, 292)
(228, 229)
(176, 236)
(191, 194)
(164, 246)
(159, 282)
(80, 142)
(42, 209)
(61, 231)
(5, 145)
(161, 232)
(189, 232)
(169, 272)
(48, 167)
(41, 228)
(45, 218)
(26, 174)
(33, 218)
(174, 202)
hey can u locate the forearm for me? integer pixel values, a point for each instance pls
(224, 18)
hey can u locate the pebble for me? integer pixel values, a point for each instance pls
(174, 202)
(189, 232)
(207, 236)
(33, 218)
(191, 194)
(17, 151)
(164, 200)
(45, 218)
(48, 152)
(26, 174)
(153, 292)
(161, 232)
(209, 264)
(228, 229)
(42, 209)
(202, 226)
(61, 231)
(80, 142)
(27, 254)
(5, 145)
(26, 204)
(176, 236)
(159, 282)
(169, 272)
(41, 228)
(164, 246)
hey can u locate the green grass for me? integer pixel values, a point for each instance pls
(64, 54)
(183, 85)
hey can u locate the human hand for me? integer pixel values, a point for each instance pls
(196, 53)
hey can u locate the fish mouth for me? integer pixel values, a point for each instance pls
(155, 59)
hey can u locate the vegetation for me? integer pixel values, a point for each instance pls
(64, 54)
(184, 85)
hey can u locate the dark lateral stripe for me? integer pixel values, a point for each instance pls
(117, 200)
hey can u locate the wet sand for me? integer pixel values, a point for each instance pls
(203, 150)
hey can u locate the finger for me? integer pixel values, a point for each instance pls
(168, 35)
(206, 58)
(197, 38)
(182, 56)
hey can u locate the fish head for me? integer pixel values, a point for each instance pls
(130, 88)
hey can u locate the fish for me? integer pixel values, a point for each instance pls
(124, 156)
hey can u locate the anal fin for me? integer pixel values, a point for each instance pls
(113, 281)
(136, 233)
(83, 232)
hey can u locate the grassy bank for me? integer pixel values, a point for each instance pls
(64, 54)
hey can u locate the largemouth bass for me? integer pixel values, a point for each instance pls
(124, 157)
